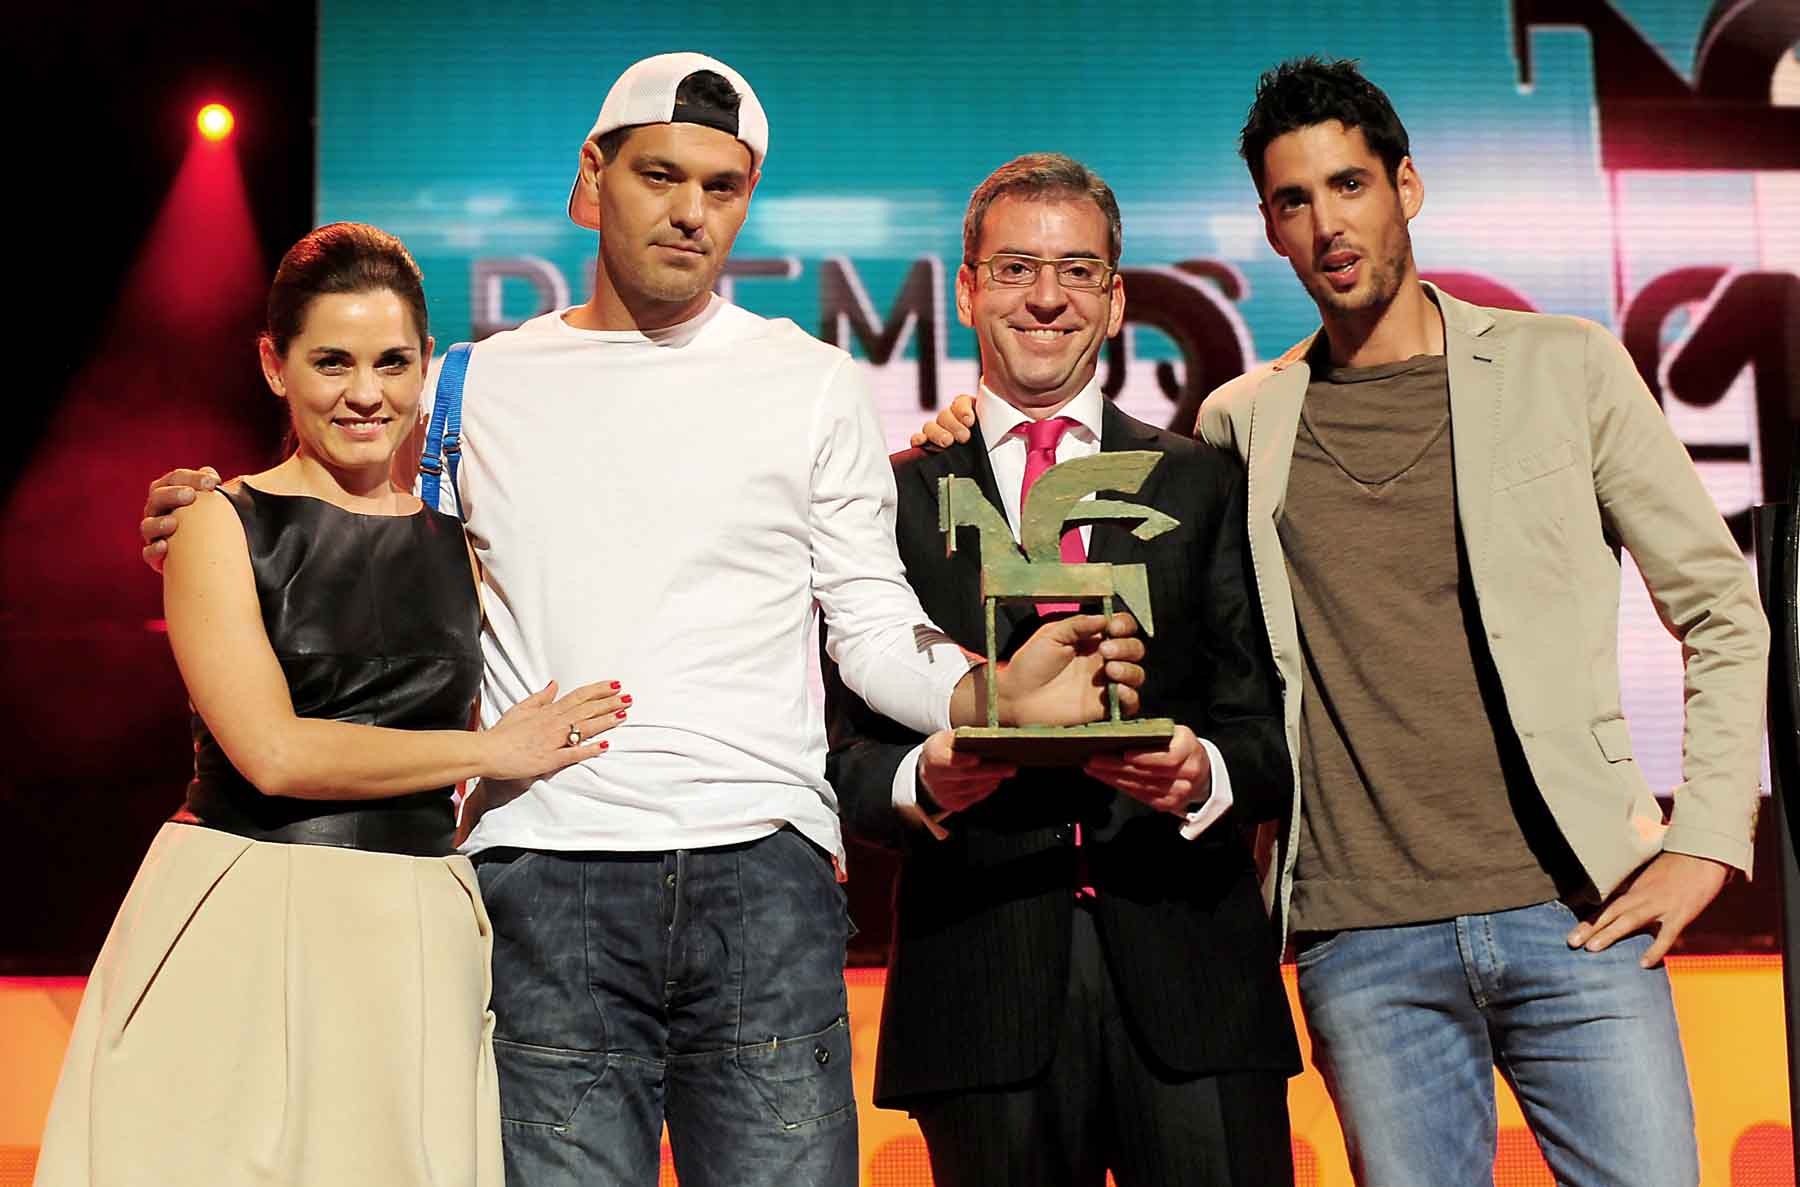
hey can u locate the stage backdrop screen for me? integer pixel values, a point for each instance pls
(1635, 163)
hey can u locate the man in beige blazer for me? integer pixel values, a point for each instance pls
(1474, 872)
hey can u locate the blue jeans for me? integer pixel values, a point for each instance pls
(704, 987)
(1407, 1024)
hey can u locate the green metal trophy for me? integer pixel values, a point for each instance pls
(1037, 574)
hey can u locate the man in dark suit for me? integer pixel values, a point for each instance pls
(1083, 977)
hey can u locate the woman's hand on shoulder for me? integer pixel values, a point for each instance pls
(544, 733)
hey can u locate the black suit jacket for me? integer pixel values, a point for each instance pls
(978, 975)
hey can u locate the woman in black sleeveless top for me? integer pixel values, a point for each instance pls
(295, 990)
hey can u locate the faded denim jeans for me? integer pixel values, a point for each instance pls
(704, 987)
(1408, 1024)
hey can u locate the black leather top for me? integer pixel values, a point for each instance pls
(375, 621)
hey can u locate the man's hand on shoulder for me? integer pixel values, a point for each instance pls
(169, 494)
(1666, 894)
(1177, 779)
(951, 426)
(957, 780)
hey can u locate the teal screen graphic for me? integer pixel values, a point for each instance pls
(1634, 162)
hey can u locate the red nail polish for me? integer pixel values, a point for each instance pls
(605, 745)
(615, 684)
(620, 714)
(626, 699)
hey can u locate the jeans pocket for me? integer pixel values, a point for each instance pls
(805, 1078)
(1562, 910)
(1317, 947)
(544, 1085)
(817, 856)
(492, 871)
(820, 862)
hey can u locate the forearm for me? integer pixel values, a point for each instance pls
(315, 759)
(912, 674)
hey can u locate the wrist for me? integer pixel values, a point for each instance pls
(484, 753)
(969, 701)
(998, 687)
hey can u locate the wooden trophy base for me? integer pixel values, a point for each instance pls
(1063, 745)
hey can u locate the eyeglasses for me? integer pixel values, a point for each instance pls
(1015, 270)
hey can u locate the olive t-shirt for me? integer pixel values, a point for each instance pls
(1416, 800)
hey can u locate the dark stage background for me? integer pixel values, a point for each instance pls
(1645, 178)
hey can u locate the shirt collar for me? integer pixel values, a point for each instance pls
(997, 418)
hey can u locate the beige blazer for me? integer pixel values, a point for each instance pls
(1561, 455)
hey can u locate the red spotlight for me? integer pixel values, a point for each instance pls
(215, 121)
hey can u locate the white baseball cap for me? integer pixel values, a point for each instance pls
(646, 94)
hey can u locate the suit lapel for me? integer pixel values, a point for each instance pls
(958, 461)
(1110, 541)
(1475, 363)
(1268, 458)
(1274, 422)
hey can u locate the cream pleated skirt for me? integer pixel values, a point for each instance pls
(283, 1014)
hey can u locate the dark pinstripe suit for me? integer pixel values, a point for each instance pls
(979, 974)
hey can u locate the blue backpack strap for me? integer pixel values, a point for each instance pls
(443, 436)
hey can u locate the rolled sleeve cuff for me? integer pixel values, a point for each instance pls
(1715, 846)
(948, 664)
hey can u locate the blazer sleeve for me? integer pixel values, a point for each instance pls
(1214, 424)
(1652, 501)
(1233, 698)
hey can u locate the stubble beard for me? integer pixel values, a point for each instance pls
(644, 281)
(671, 286)
(1383, 283)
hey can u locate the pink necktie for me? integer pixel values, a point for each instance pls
(1041, 437)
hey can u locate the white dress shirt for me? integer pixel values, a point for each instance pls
(1002, 432)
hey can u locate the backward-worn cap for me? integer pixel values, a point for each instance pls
(646, 94)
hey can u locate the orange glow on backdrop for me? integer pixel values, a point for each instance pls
(1730, 1007)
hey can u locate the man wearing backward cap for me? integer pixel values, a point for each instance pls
(659, 485)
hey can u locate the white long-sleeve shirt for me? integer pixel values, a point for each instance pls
(663, 510)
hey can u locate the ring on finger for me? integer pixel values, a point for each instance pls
(574, 734)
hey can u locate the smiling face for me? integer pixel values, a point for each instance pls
(1039, 341)
(1331, 211)
(352, 378)
(671, 204)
